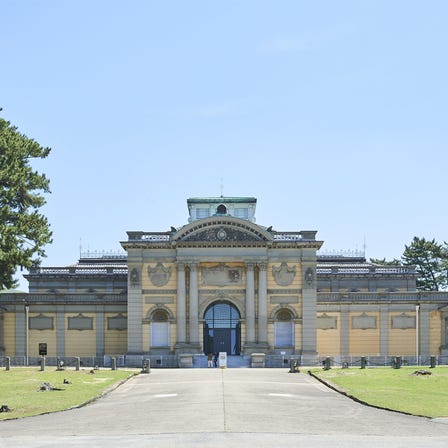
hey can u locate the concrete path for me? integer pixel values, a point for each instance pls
(224, 408)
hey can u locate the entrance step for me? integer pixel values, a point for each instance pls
(233, 362)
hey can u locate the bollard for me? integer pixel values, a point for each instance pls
(293, 366)
(396, 362)
(363, 362)
(327, 363)
(8, 363)
(42, 363)
(114, 363)
(433, 362)
(78, 363)
(146, 367)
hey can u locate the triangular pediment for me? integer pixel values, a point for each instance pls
(227, 229)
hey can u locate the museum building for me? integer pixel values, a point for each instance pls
(222, 283)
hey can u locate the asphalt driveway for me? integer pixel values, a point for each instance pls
(224, 408)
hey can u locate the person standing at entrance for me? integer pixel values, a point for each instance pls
(210, 360)
(215, 360)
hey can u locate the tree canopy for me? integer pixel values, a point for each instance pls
(430, 259)
(24, 231)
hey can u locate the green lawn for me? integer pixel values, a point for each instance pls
(395, 389)
(19, 389)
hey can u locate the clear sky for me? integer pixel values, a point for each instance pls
(332, 113)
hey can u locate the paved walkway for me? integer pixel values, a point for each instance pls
(223, 408)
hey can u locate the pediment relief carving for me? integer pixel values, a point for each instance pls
(283, 274)
(222, 234)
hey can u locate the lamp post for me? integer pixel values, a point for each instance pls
(27, 310)
(417, 331)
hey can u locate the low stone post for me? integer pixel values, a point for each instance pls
(42, 363)
(363, 362)
(114, 363)
(433, 362)
(396, 362)
(293, 366)
(8, 363)
(146, 367)
(257, 360)
(78, 363)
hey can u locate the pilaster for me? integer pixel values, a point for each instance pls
(194, 303)
(60, 331)
(384, 330)
(250, 304)
(100, 333)
(262, 305)
(181, 305)
(135, 309)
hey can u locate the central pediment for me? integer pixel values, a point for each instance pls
(228, 229)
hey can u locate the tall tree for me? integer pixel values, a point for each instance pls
(430, 259)
(24, 231)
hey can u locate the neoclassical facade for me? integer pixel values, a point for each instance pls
(223, 283)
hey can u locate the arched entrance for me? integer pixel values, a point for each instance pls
(222, 329)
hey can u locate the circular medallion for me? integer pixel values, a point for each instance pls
(221, 234)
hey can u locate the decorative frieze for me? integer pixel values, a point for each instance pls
(134, 278)
(285, 291)
(284, 299)
(118, 322)
(221, 275)
(159, 275)
(283, 274)
(326, 322)
(403, 322)
(363, 322)
(160, 291)
(41, 322)
(80, 322)
(309, 277)
(159, 299)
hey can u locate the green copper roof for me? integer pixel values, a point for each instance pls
(222, 200)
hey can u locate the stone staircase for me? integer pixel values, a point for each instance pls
(233, 362)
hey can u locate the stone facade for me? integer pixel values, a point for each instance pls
(223, 283)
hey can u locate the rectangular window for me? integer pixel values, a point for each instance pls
(284, 334)
(160, 334)
(202, 213)
(242, 213)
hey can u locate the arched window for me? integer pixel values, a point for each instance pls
(221, 210)
(284, 329)
(160, 329)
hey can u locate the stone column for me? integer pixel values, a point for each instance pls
(60, 331)
(344, 330)
(181, 306)
(134, 305)
(250, 304)
(2, 333)
(384, 330)
(100, 332)
(424, 323)
(194, 300)
(262, 305)
(20, 331)
(309, 310)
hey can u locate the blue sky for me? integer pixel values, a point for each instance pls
(332, 114)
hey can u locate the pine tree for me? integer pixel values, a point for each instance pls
(24, 231)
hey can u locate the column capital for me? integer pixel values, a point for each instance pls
(262, 265)
(193, 265)
(250, 264)
(180, 265)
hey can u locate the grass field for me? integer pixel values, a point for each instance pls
(20, 389)
(395, 389)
